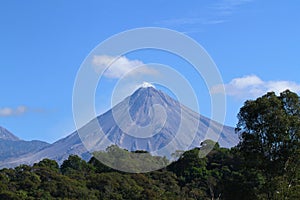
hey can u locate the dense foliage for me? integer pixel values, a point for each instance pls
(132, 162)
(264, 165)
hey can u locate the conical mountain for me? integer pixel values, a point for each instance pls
(151, 120)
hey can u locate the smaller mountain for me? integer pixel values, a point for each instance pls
(6, 135)
(59, 151)
(11, 146)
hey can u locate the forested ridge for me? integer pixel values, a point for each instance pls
(264, 165)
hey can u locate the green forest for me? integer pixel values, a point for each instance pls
(264, 165)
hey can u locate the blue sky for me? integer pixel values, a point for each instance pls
(254, 43)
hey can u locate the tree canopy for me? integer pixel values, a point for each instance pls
(270, 139)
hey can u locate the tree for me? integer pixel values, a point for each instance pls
(75, 166)
(99, 166)
(269, 129)
(124, 160)
(48, 164)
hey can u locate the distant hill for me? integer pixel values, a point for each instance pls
(141, 106)
(59, 151)
(12, 147)
(6, 135)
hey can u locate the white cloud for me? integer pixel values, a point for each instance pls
(213, 13)
(226, 7)
(146, 85)
(252, 86)
(116, 67)
(6, 111)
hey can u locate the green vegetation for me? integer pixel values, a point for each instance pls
(133, 162)
(264, 165)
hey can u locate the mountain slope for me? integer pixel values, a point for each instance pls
(59, 151)
(6, 135)
(147, 120)
(175, 124)
(12, 147)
